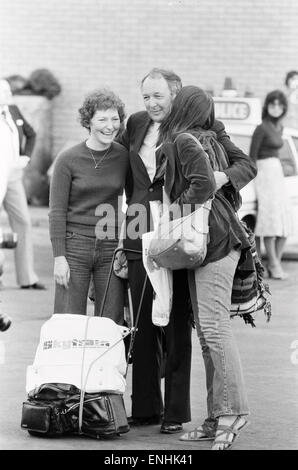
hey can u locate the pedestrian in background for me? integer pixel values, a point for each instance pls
(190, 180)
(274, 207)
(291, 84)
(86, 177)
(14, 130)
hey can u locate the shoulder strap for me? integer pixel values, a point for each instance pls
(189, 135)
(213, 149)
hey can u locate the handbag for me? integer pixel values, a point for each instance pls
(182, 243)
(249, 292)
(52, 409)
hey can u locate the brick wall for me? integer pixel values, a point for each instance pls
(90, 43)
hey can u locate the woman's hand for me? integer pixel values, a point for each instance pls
(61, 271)
(120, 265)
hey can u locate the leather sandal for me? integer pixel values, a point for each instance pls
(226, 430)
(198, 434)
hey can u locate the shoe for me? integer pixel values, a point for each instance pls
(144, 421)
(5, 322)
(198, 434)
(170, 428)
(36, 285)
(226, 430)
(277, 273)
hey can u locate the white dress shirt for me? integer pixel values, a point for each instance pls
(147, 151)
(9, 151)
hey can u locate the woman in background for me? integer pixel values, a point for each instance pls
(273, 216)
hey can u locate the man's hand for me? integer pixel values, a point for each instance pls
(23, 161)
(220, 179)
(61, 271)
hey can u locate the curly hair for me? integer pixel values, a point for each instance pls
(270, 98)
(101, 99)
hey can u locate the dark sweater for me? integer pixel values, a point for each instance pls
(266, 141)
(77, 189)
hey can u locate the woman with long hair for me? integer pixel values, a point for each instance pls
(273, 216)
(189, 144)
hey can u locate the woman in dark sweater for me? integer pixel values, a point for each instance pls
(189, 180)
(85, 208)
(273, 217)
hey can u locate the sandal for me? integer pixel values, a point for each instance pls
(226, 430)
(198, 434)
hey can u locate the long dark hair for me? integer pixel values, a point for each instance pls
(192, 108)
(270, 98)
(289, 76)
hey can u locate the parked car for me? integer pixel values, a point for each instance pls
(241, 116)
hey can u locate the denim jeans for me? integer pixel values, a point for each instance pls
(88, 256)
(210, 288)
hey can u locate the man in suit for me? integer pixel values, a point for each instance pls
(159, 89)
(17, 140)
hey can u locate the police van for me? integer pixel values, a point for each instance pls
(240, 117)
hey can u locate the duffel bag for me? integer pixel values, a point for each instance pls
(103, 415)
(44, 413)
(53, 410)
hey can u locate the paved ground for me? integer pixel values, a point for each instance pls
(269, 361)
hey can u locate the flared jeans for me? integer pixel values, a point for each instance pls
(210, 289)
(88, 256)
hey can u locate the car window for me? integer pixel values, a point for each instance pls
(295, 140)
(286, 155)
(287, 159)
(241, 141)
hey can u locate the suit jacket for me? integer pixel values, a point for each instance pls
(241, 171)
(138, 219)
(27, 134)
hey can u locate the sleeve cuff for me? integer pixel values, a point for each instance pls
(231, 181)
(58, 245)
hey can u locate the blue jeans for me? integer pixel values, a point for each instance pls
(89, 256)
(210, 289)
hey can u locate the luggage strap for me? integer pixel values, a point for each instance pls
(132, 331)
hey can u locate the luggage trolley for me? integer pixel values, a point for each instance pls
(62, 408)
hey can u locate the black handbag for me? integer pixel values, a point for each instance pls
(53, 410)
